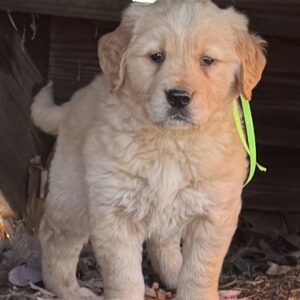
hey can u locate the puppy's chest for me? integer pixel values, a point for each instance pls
(154, 180)
(165, 196)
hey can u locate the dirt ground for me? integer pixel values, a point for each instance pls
(283, 287)
(267, 287)
(263, 269)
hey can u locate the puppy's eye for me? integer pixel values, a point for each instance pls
(207, 61)
(158, 57)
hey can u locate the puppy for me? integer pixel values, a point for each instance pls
(149, 152)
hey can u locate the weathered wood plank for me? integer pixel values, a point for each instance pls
(268, 223)
(267, 6)
(276, 105)
(278, 189)
(19, 139)
(35, 32)
(270, 17)
(73, 53)
(91, 9)
(278, 127)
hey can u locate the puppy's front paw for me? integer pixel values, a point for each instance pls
(83, 294)
(184, 295)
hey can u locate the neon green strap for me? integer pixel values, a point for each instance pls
(249, 141)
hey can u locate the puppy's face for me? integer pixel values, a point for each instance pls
(182, 60)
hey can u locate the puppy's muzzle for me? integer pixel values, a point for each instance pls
(178, 98)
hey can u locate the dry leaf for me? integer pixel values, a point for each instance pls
(155, 285)
(22, 275)
(161, 295)
(150, 292)
(275, 269)
(23, 249)
(229, 295)
(39, 289)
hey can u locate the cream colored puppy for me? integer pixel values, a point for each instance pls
(149, 152)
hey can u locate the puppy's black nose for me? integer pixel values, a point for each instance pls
(178, 98)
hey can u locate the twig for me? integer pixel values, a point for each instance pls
(228, 284)
(43, 291)
(11, 19)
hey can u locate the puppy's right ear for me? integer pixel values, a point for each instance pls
(112, 47)
(111, 51)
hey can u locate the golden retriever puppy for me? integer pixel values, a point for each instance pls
(149, 152)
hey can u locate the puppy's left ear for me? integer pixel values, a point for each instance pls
(251, 50)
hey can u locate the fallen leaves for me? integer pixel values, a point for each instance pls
(20, 258)
(155, 292)
(20, 265)
(270, 287)
(275, 269)
(26, 273)
(230, 295)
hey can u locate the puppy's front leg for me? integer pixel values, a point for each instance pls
(205, 245)
(117, 245)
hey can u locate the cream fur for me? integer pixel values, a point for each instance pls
(125, 172)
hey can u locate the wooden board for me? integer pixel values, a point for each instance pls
(20, 141)
(276, 105)
(271, 17)
(278, 189)
(90, 9)
(73, 53)
(35, 36)
(279, 18)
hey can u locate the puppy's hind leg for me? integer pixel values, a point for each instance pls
(166, 259)
(60, 254)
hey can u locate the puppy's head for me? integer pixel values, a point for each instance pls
(183, 60)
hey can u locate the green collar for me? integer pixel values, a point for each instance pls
(248, 139)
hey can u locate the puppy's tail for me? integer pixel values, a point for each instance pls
(45, 114)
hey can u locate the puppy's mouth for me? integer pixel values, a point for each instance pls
(179, 116)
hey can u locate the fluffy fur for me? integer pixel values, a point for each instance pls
(127, 170)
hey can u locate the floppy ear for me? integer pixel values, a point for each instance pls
(250, 49)
(112, 47)
(111, 51)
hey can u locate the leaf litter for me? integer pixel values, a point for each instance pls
(257, 267)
